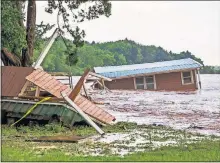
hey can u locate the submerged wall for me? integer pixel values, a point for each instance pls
(166, 81)
(126, 83)
(172, 82)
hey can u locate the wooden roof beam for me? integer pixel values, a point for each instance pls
(99, 76)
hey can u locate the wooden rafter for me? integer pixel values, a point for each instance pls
(79, 85)
(37, 92)
(24, 88)
(99, 76)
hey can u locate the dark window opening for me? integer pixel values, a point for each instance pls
(187, 78)
(146, 82)
(149, 82)
(139, 82)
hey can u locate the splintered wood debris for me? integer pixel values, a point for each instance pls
(70, 139)
(50, 84)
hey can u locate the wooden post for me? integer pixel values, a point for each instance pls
(196, 79)
(155, 83)
(85, 90)
(99, 83)
(134, 80)
(103, 83)
(37, 93)
(105, 88)
(200, 86)
(70, 81)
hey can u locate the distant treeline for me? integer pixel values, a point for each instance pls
(14, 39)
(210, 70)
(108, 54)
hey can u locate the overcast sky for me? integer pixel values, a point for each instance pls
(175, 26)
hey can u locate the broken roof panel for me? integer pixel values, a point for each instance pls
(147, 68)
(48, 83)
(13, 79)
(93, 110)
(55, 87)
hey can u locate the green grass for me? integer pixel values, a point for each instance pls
(204, 151)
(15, 148)
(51, 129)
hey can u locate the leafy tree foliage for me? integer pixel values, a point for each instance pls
(210, 70)
(12, 32)
(78, 14)
(71, 55)
(136, 53)
(108, 54)
(67, 11)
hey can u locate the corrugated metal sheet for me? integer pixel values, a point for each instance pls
(156, 67)
(13, 79)
(55, 87)
(44, 110)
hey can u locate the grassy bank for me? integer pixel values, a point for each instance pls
(15, 148)
(204, 151)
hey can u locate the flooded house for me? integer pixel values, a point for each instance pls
(174, 75)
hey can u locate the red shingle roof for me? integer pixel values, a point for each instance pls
(48, 83)
(55, 87)
(93, 110)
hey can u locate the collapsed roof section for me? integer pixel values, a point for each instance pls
(48, 83)
(13, 79)
(93, 110)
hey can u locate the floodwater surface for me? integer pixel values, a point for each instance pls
(197, 111)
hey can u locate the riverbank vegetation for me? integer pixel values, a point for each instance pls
(188, 146)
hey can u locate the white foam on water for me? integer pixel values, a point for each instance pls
(179, 110)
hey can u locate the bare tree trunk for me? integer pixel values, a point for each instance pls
(31, 24)
(9, 59)
(25, 58)
(19, 7)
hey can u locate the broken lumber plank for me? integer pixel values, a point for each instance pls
(24, 88)
(67, 139)
(99, 76)
(78, 86)
(37, 93)
(79, 102)
(86, 117)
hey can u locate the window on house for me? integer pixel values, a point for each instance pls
(149, 82)
(139, 82)
(187, 77)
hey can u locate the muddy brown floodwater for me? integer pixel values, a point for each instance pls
(197, 111)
